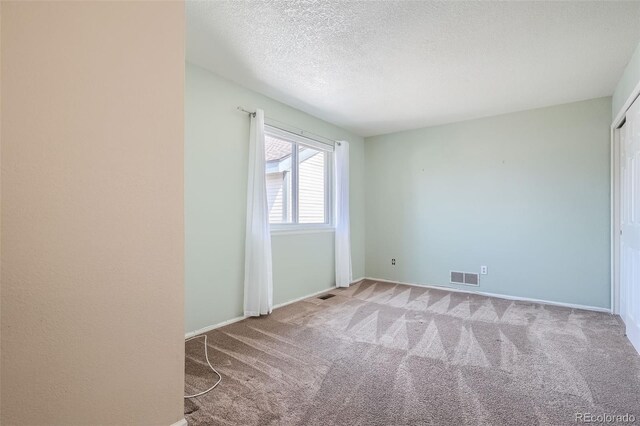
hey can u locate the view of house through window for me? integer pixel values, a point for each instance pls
(297, 176)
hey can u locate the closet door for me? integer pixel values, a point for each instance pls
(630, 225)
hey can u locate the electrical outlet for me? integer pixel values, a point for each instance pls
(484, 270)
(393, 262)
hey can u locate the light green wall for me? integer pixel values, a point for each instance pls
(216, 157)
(630, 79)
(526, 194)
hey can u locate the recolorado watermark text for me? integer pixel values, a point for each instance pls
(604, 418)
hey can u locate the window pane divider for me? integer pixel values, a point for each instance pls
(294, 183)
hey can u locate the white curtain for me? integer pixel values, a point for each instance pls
(343, 232)
(258, 280)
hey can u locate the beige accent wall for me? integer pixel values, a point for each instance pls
(92, 213)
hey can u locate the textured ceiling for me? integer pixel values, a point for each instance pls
(380, 67)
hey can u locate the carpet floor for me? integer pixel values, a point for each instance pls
(390, 354)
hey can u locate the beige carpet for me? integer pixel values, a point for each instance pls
(386, 354)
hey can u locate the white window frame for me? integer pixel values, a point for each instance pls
(297, 140)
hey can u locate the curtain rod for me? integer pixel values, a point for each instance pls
(302, 132)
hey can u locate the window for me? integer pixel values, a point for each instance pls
(298, 174)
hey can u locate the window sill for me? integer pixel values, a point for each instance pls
(292, 230)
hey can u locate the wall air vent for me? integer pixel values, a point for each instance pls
(467, 278)
(457, 277)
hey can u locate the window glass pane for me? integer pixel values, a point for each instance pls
(311, 185)
(278, 169)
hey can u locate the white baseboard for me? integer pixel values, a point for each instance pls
(182, 422)
(213, 327)
(240, 318)
(280, 305)
(499, 296)
(438, 287)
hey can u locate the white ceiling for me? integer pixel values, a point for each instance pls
(380, 67)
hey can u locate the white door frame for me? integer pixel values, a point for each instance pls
(615, 200)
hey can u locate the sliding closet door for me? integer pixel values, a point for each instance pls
(630, 225)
